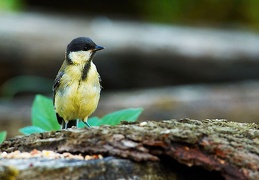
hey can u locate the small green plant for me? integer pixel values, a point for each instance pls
(2, 136)
(44, 118)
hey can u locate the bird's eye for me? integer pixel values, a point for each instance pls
(85, 48)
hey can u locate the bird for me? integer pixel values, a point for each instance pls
(76, 88)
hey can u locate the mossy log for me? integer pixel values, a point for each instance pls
(170, 149)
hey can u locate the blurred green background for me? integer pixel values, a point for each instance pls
(217, 83)
(230, 13)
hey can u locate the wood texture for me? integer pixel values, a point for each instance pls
(231, 149)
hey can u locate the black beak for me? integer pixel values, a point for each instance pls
(98, 48)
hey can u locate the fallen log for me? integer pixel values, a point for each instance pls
(149, 150)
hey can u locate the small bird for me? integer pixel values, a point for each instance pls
(77, 85)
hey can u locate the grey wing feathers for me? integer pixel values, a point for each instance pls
(57, 81)
(56, 85)
(54, 88)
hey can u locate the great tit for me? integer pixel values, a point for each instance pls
(77, 85)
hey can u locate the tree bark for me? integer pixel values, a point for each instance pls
(171, 149)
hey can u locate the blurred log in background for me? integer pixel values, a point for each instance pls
(175, 59)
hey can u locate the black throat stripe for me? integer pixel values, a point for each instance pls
(86, 70)
(87, 67)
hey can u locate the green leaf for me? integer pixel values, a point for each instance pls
(80, 124)
(114, 118)
(2, 136)
(93, 121)
(43, 114)
(31, 129)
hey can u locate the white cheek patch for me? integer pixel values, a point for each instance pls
(80, 56)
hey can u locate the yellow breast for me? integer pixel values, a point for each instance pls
(77, 98)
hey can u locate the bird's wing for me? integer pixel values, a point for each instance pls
(57, 81)
(61, 72)
(56, 84)
(54, 88)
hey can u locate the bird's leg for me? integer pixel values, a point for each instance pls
(86, 123)
(68, 124)
(77, 121)
(64, 125)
